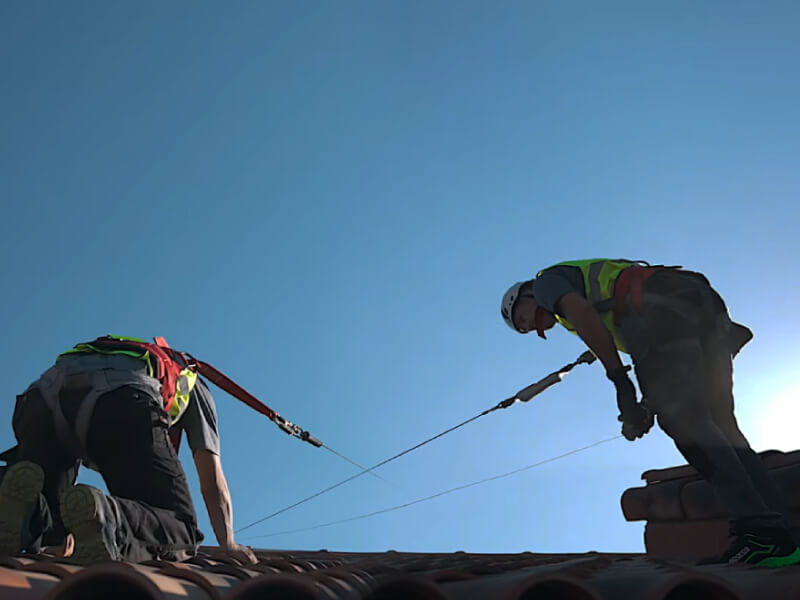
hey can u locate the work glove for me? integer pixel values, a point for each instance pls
(635, 417)
(626, 393)
(636, 422)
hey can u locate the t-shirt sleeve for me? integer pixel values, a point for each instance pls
(200, 420)
(551, 285)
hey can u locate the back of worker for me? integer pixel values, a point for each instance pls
(108, 411)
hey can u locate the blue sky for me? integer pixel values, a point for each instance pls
(327, 201)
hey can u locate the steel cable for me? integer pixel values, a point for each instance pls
(431, 497)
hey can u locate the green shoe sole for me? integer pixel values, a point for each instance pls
(19, 491)
(83, 516)
(781, 561)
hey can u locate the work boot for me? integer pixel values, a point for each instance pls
(19, 493)
(765, 547)
(89, 516)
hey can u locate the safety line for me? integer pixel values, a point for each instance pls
(352, 462)
(365, 471)
(524, 395)
(450, 491)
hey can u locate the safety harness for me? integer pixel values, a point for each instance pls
(628, 288)
(171, 369)
(625, 290)
(630, 284)
(177, 372)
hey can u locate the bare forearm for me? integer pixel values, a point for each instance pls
(217, 497)
(595, 335)
(220, 512)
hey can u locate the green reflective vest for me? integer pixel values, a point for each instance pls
(599, 277)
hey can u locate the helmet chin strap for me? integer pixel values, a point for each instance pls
(538, 321)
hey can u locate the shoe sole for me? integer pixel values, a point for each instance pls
(19, 492)
(83, 518)
(781, 561)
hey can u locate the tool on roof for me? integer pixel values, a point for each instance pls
(524, 395)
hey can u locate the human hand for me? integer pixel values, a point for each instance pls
(636, 422)
(63, 551)
(244, 554)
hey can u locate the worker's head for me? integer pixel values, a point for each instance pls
(522, 313)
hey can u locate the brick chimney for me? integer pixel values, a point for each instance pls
(684, 517)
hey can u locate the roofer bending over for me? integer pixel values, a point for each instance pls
(677, 330)
(119, 405)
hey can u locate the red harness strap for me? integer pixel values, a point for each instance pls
(219, 379)
(631, 283)
(234, 389)
(167, 368)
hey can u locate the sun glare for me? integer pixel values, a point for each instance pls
(780, 425)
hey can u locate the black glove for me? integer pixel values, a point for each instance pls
(636, 422)
(626, 393)
(635, 417)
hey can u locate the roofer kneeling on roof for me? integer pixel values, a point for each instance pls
(677, 330)
(119, 405)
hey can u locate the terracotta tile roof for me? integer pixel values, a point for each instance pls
(286, 575)
(683, 520)
(684, 517)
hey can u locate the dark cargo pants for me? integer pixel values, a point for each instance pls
(129, 444)
(681, 345)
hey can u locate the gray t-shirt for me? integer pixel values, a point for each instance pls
(200, 420)
(553, 283)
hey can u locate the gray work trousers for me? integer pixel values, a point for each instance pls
(680, 346)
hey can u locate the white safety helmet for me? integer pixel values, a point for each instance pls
(509, 300)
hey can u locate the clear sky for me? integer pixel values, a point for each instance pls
(327, 201)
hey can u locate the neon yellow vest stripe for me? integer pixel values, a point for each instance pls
(185, 385)
(86, 348)
(599, 277)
